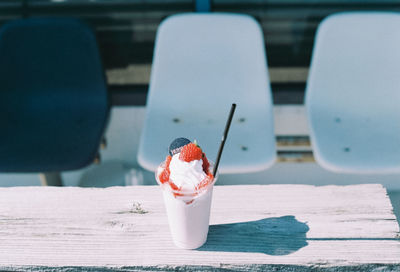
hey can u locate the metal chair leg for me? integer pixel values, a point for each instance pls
(97, 159)
(51, 179)
(103, 143)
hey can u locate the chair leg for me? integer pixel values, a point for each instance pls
(97, 159)
(51, 179)
(103, 143)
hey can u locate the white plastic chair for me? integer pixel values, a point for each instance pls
(202, 64)
(353, 93)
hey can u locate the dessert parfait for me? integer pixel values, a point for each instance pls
(187, 181)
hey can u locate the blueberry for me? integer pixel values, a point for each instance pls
(177, 144)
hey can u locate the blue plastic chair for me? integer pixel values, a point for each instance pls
(353, 93)
(202, 64)
(53, 96)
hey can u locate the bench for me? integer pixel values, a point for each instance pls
(252, 228)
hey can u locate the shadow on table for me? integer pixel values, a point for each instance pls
(273, 236)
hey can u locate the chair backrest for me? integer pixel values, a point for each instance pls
(53, 95)
(202, 64)
(353, 93)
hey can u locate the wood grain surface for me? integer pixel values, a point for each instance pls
(252, 228)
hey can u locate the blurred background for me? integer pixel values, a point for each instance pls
(125, 32)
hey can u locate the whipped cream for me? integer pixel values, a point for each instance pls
(186, 175)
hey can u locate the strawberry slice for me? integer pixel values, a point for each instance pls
(206, 164)
(173, 186)
(190, 152)
(164, 176)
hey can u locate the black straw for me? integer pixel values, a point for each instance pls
(221, 146)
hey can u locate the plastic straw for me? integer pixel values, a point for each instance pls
(221, 146)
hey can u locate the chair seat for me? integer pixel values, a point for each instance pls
(202, 64)
(365, 144)
(353, 93)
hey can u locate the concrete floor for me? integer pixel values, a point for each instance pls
(119, 161)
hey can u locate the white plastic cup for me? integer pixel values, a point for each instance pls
(188, 214)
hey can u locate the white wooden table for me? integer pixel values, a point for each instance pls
(253, 228)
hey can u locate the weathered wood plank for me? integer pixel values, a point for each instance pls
(252, 228)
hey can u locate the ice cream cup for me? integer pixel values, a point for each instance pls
(188, 213)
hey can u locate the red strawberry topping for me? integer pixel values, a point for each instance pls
(167, 161)
(173, 186)
(207, 180)
(190, 152)
(164, 176)
(206, 164)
